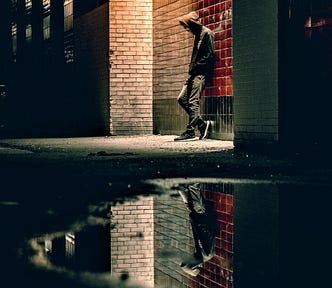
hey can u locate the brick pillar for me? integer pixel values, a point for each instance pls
(255, 72)
(131, 67)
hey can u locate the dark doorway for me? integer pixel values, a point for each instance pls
(305, 74)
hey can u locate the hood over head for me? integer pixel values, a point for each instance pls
(191, 21)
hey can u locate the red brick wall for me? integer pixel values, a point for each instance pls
(131, 67)
(218, 272)
(217, 16)
(217, 105)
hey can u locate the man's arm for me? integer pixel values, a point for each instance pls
(205, 57)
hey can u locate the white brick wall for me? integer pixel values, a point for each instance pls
(131, 67)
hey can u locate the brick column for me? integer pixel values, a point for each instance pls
(255, 72)
(131, 67)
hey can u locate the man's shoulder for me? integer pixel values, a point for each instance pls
(206, 30)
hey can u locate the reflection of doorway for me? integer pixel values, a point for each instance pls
(306, 58)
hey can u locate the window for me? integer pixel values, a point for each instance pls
(46, 19)
(70, 245)
(46, 27)
(68, 31)
(14, 5)
(69, 53)
(28, 4)
(14, 40)
(47, 5)
(28, 33)
(28, 27)
(68, 15)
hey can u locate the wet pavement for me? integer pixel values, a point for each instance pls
(159, 156)
(109, 212)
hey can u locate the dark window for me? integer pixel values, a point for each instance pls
(14, 40)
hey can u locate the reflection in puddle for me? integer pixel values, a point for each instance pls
(182, 237)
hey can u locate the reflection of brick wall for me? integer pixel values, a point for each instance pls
(131, 62)
(219, 271)
(132, 240)
(174, 239)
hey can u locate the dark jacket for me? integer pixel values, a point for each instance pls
(203, 54)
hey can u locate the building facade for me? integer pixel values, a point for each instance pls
(111, 67)
(56, 67)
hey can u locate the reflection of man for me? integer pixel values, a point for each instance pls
(204, 228)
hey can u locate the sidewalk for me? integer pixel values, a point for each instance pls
(154, 155)
(148, 144)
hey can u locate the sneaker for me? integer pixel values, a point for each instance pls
(204, 129)
(192, 265)
(192, 271)
(208, 256)
(186, 136)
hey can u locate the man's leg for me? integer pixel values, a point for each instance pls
(183, 98)
(189, 134)
(195, 90)
(195, 119)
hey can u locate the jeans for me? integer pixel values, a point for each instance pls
(189, 99)
(203, 220)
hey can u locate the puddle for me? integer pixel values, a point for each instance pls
(178, 233)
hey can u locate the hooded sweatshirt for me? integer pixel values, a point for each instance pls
(203, 53)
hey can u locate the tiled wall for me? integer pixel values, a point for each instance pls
(172, 50)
